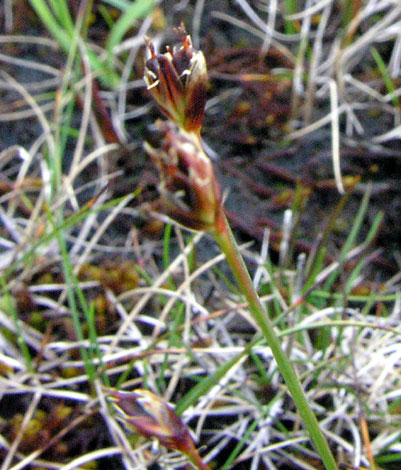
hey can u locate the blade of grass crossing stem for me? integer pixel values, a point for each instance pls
(10, 308)
(225, 239)
(205, 385)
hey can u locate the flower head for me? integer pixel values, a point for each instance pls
(150, 416)
(177, 81)
(189, 190)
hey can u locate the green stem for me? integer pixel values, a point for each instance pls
(224, 237)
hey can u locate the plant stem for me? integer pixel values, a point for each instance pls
(224, 237)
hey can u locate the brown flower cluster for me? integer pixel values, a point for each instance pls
(147, 414)
(177, 80)
(189, 191)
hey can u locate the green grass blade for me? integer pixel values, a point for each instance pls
(290, 9)
(49, 20)
(60, 9)
(388, 82)
(66, 37)
(352, 237)
(122, 5)
(240, 445)
(370, 236)
(211, 380)
(10, 308)
(94, 344)
(72, 292)
(137, 10)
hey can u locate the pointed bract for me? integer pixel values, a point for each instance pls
(149, 415)
(177, 81)
(189, 190)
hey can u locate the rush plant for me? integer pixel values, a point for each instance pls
(191, 196)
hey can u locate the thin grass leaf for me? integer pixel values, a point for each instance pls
(335, 324)
(94, 343)
(240, 444)
(389, 458)
(373, 231)
(104, 12)
(352, 237)
(10, 308)
(320, 294)
(173, 340)
(261, 367)
(67, 37)
(315, 262)
(136, 11)
(207, 383)
(166, 252)
(61, 10)
(72, 291)
(49, 20)
(122, 5)
(388, 82)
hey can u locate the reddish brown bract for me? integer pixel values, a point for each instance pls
(189, 190)
(150, 416)
(177, 81)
